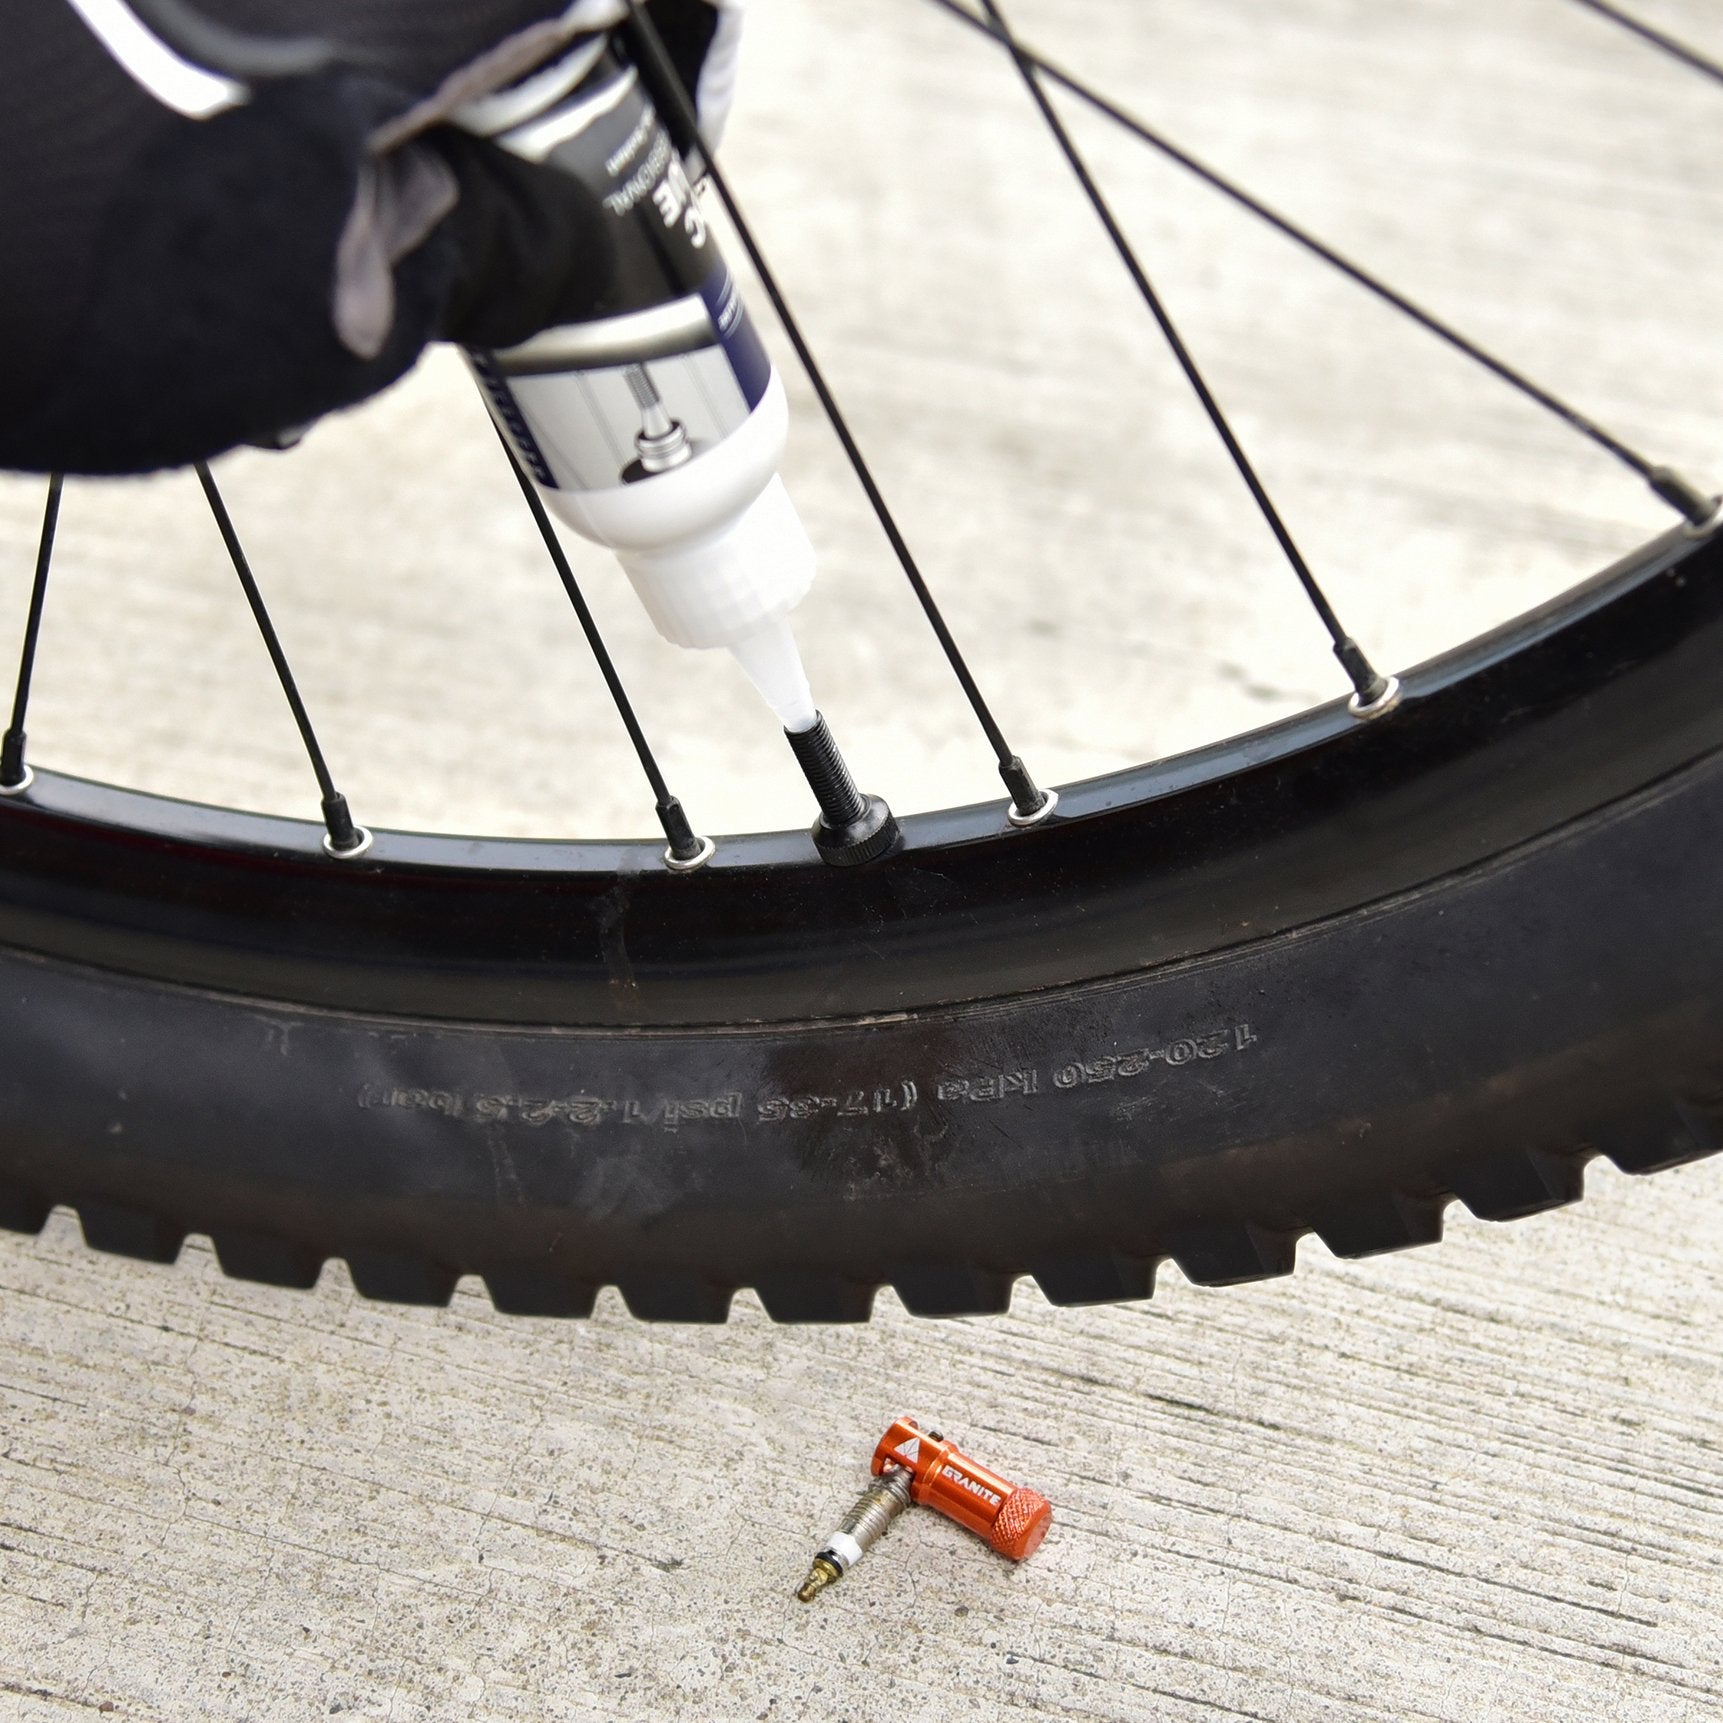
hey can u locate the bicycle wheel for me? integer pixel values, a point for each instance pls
(1322, 978)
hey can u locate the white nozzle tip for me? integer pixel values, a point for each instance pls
(774, 666)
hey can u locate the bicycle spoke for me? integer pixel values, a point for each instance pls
(686, 849)
(342, 836)
(1372, 692)
(15, 774)
(1669, 45)
(1029, 803)
(1698, 506)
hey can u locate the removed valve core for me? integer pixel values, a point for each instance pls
(859, 1530)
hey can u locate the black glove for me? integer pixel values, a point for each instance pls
(173, 287)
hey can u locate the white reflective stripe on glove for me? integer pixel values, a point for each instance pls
(405, 190)
(586, 15)
(715, 93)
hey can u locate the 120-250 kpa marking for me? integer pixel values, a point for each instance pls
(904, 1094)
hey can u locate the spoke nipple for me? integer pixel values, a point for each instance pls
(15, 775)
(362, 841)
(1369, 686)
(686, 849)
(1701, 511)
(343, 839)
(852, 827)
(1030, 805)
(691, 864)
(1384, 702)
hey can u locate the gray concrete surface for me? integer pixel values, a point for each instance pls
(1476, 1483)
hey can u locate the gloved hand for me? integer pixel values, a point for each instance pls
(527, 251)
(173, 287)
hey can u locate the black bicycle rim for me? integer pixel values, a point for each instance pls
(1531, 726)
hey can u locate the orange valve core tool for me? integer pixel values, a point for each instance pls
(1012, 1519)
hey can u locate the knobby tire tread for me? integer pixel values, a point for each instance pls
(1459, 1041)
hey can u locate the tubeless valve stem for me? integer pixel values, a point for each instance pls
(852, 827)
(859, 1530)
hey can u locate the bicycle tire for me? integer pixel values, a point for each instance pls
(1324, 978)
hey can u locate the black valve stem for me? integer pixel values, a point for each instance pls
(852, 827)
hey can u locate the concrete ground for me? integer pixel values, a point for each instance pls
(1476, 1483)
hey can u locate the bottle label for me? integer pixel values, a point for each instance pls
(672, 365)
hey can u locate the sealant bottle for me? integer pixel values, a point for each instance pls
(656, 428)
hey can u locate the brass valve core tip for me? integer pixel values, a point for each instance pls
(862, 1527)
(820, 1575)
